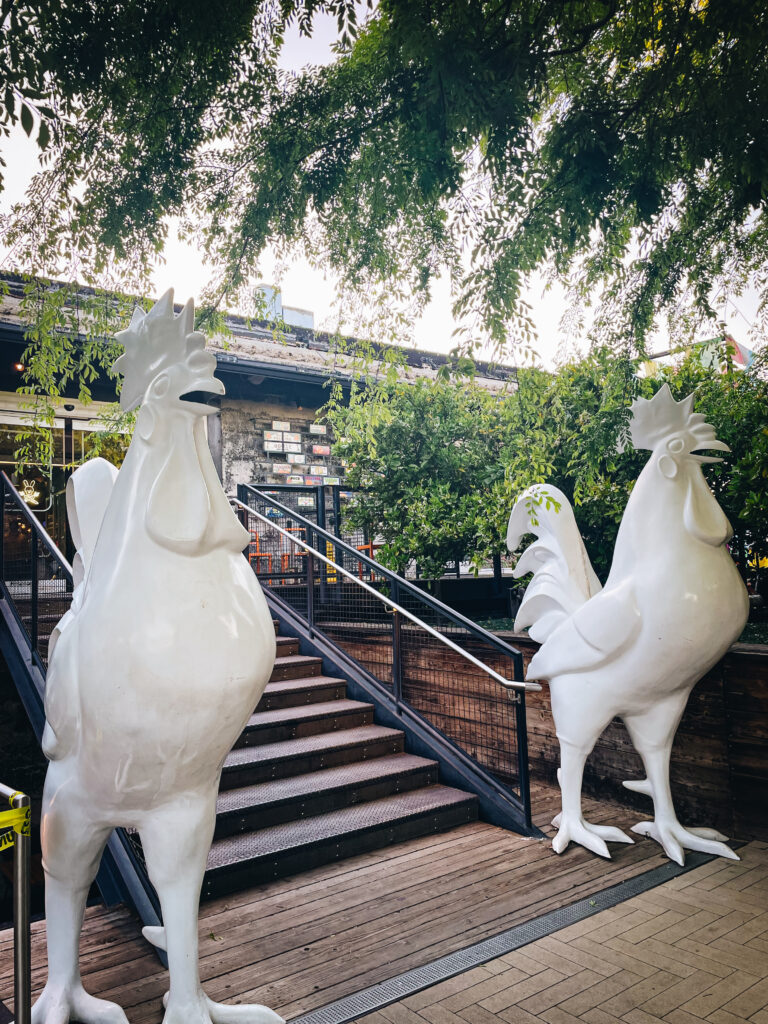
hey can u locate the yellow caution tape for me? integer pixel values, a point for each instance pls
(13, 821)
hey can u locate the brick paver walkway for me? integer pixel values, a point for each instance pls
(692, 950)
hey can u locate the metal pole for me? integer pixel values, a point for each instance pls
(22, 959)
(310, 591)
(2, 530)
(521, 728)
(34, 595)
(397, 650)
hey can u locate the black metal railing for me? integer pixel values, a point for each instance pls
(36, 584)
(35, 574)
(463, 681)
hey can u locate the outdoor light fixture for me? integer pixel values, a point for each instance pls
(19, 367)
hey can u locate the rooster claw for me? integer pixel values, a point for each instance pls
(675, 840)
(607, 833)
(583, 834)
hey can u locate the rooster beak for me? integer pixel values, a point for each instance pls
(703, 459)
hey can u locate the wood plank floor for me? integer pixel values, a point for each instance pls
(693, 950)
(301, 942)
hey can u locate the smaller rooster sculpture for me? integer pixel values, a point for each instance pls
(153, 672)
(672, 605)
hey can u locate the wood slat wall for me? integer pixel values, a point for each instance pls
(719, 768)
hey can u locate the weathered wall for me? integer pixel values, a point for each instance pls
(244, 457)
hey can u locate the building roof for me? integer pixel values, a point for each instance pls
(256, 348)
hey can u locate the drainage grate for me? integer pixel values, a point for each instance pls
(351, 1008)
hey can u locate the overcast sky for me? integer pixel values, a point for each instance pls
(310, 289)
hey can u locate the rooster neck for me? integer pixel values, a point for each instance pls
(668, 519)
(167, 500)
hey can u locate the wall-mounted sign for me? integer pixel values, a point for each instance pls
(318, 428)
(313, 481)
(297, 459)
(280, 425)
(291, 437)
(321, 449)
(30, 493)
(273, 435)
(333, 480)
(306, 501)
(288, 446)
(294, 480)
(319, 470)
(280, 468)
(273, 446)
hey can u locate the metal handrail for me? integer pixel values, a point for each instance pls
(509, 684)
(38, 527)
(382, 570)
(22, 959)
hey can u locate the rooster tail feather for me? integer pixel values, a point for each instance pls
(563, 577)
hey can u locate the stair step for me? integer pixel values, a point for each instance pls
(294, 665)
(291, 693)
(303, 796)
(254, 857)
(248, 765)
(287, 645)
(292, 723)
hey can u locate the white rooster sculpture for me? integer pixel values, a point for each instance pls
(672, 605)
(153, 672)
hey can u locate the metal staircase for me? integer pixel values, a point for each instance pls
(313, 779)
(345, 752)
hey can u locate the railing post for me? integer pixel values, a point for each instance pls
(2, 531)
(311, 592)
(34, 591)
(22, 961)
(397, 649)
(521, 728)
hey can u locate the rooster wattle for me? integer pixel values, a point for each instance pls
(672, 605)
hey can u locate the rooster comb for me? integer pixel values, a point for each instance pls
(153, 342)
(656, 419)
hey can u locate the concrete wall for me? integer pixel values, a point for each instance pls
(244, 457)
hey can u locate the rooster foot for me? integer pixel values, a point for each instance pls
(607, 833)
(675, 839)
(58, 1004)
(222, 1013)
(592, 837)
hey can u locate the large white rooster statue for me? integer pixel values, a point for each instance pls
(672, 605)
(153, 672)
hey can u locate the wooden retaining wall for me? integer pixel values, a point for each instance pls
(719, 768)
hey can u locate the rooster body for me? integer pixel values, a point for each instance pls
(672, 605)
(153, 672)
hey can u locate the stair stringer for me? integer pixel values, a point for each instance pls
(457, 769)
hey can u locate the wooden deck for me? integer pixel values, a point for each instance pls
(301, 942)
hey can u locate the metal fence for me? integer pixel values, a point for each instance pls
(37, 577)
(463, 681)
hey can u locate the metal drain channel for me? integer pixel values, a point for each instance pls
(351, 1008)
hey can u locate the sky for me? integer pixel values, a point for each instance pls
(308, 288)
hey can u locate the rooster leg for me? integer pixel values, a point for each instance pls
(652, 734)
(72, 847)
(608, 833)
(176, 841)
(572, 827)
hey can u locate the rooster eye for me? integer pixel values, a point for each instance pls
(675, 445)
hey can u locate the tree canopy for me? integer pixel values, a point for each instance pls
(620, 145)
(440, 464)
